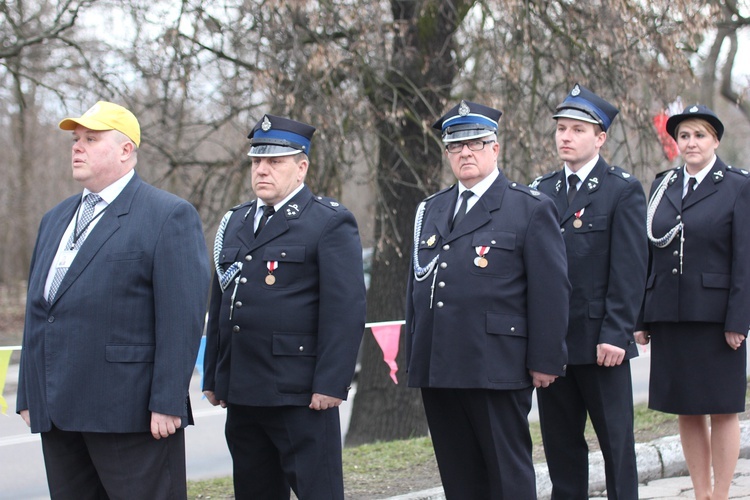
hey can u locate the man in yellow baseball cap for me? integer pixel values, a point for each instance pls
(115, 307)
(107, 116)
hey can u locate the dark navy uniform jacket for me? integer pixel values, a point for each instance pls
(607, 257)
(715, 282)
(300, 335)
(474, 327)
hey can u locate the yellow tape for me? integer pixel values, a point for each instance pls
(4, 361)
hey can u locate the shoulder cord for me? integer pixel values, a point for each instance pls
(225, 277)
(665, 240)
(421, 273)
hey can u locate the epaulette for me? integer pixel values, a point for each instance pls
(544, 177)
(526, 189)
(621, 174)
(439, 192)
(665, 172)
(736, 170)
(329, 202)
(237, 207)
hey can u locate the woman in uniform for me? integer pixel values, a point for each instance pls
(696, 310)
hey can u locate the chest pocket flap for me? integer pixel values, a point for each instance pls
(494, 239)
(595, 223)
(229, 255)
(284, 253)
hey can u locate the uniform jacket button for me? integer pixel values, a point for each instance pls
(236, 328)
(443, 265)
(243, 280)
(301, 348)
(674, 271)
(446, 247)
(238, 304)
(439, 304)
(248, 257)
(441, 284)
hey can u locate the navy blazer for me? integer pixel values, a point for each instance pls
(474, 327)
(714, 285)
(120, 339)
(607, 257)
(277, 344)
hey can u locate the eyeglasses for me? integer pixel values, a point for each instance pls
(457, 147)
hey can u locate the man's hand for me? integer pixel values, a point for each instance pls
(25, 417)
(164, 425)
(734, 339)
(323, 402)
(609, 355)
(642, 337)
(212, 399)
(542, 379)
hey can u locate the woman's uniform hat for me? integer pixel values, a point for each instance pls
(695, 111)
(107, 116)
(276, 136)
(466, 121)
(582, 104)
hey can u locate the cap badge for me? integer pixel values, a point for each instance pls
(694, 109)
(266, 125)
(463, 109)
(576, 90)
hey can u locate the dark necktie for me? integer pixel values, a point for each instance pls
(572, 187)
(268, 211)
(461, 208)
(691, 187)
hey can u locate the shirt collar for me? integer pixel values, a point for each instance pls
(111, 192)
(584, 171)
(700, 175)
(482, 186)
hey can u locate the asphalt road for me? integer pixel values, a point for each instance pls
(22, 466)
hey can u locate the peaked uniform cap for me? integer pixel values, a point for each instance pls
(582, 104)
(107, 116)
(468, 120)
(277, 136)
(695, 111)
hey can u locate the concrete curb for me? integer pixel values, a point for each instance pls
(659, 459)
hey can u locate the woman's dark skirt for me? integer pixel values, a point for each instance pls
(694, 371)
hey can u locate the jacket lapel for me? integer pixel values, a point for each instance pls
(589, 187)
(104, 229)
(707, 187)
(481, 213)
(279, 223)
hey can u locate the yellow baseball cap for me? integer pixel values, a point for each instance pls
(107, 116)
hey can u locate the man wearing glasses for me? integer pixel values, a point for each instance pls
(487, 312)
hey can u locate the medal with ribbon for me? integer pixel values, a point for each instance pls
(272, 265)
(577, 223)
(481, 261)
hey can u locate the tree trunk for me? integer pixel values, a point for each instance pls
(407, 100)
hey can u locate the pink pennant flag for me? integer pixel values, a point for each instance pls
(387, 336)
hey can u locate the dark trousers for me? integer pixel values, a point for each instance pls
(606, 394)
(275, 448)
(482, 442)
(98, 465)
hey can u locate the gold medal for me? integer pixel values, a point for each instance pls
(481, 262)
(270, 279)
(577, 223)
